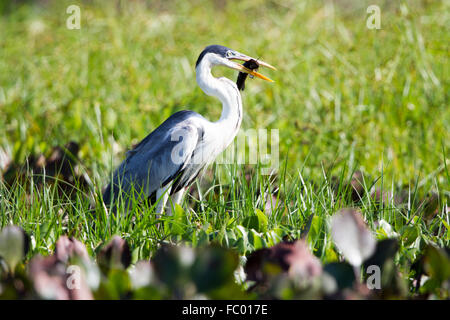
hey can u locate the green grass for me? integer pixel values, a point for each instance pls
(346, 98)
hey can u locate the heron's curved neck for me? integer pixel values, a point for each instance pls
(223, 89)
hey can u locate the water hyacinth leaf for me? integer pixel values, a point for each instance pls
(331, 255)
(242, 242)
(292, 258)
(202, 238)
(437, 264)
(213, 267)
(302, 263)
(230, 290)
(148, 293)
(383, 258)
(172, 264)
(141, 275)
(91, 271)
(253, 265)
(70, 251)
(66, 248)
(14, 244)
(258, 221)
(239, 273)
(262, 221)
(251, 222)
(352, 237)
(48, 278)
(116, 286)
(274, 236)
(52, 279)
(16, 287)
(231, 235)
(67, 274)
(256, 239)
(385, 229)
(115, 255)
(342, 272)
(385, 250)
(409, 234)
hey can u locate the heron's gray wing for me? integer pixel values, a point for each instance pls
(157, 160)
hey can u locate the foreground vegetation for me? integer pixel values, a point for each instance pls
(362, 116)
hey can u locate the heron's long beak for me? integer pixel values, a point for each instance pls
(241, 68)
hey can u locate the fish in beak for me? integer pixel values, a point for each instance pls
(242, 76)
(249, 61)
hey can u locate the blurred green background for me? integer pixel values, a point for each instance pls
(344, 95)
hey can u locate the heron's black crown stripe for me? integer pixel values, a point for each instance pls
(214, 48)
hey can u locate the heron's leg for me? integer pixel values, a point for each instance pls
(175, 199)
(162, 195)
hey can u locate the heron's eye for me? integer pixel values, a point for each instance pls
(228, 54)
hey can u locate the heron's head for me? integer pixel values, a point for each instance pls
(215, 55)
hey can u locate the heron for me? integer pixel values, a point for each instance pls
(171, 157)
